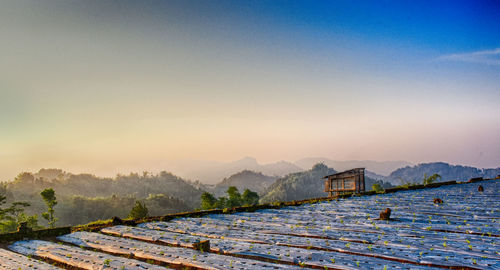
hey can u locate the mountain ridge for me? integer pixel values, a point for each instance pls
(447, 172)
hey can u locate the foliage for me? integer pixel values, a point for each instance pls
(234, 199)
(377, 187)
(88, 185)
(249, 197)
(207, 201)
(221, 203)
(431, 179)
(245, 179)
(406, 184)
(81, 210)
(299, 186)
(379, 184)
(12, 216)
(82, 198)
(139, 211)
(49, 197)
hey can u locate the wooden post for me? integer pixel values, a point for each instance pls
(356, 184)
(343, 185)
(330, 193)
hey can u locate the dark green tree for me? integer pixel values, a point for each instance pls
(49, 197)
(234, 199)
(208, 201)
(138, 211)
(249, 197)
(221, 203)
(11, 216)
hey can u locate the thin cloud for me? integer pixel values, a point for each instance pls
(488, 57)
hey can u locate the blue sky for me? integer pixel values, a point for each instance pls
(115, 86)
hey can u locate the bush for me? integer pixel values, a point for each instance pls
(377, 187)
(234, 199)
(431, 179)
(138, 211)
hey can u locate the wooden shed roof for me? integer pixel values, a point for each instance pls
(344, 172)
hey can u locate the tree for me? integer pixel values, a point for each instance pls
(234, 197)
(431, 179)
(208, 201)
(138, 211)
(49, 197)
(249, 197)
(221, 203)
(11, 217)
(377, 187)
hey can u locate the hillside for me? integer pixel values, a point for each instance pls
(448, 172)
(90, 185)
(254, 181)
(298, 186)
(85, 197)
(307, 185)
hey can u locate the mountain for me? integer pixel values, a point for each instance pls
(373, 175)
(377, 167)
(254, 181)
(299, 186)
(280, 168)
(306, 185)
(211, 172)
(415, 174)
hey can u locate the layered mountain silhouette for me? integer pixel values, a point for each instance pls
(211, 172)
(415, 174)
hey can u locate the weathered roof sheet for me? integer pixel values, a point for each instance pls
(462, 232)
(12, 261)
(344, 172)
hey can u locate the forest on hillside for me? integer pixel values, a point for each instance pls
(306, 185)
(83, 198)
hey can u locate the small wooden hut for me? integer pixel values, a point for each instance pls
(351, 181)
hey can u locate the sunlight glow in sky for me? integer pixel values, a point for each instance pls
(110, 86)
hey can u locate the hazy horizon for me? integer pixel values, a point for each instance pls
(187, 167)
(120, 86)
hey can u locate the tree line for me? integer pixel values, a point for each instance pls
(12, 216)
(84, 198)
(233, 199)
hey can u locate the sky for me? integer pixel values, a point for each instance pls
(117, 86)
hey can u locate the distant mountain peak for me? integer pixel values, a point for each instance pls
(247, 160)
